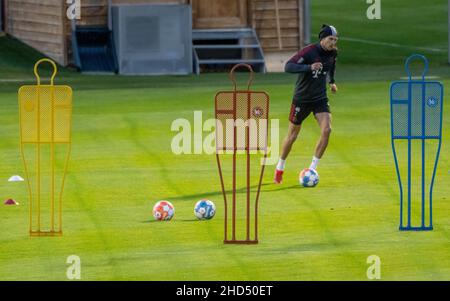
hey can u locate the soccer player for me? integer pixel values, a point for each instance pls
(313, 64)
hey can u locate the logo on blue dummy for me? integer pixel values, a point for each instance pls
(432, 102)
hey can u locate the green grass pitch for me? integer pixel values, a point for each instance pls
(122, 164)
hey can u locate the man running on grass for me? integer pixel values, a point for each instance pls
(313, 64)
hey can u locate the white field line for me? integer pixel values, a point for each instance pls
(420, 77)
(394, 45)
(16, 80)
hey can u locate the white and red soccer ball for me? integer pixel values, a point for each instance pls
(308, 177)
(163, 211)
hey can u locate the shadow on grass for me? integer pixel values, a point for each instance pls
(241, 190)
(175, 220)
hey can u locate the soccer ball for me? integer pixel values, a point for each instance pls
(309, 177)
(163, 211)
(204, 209)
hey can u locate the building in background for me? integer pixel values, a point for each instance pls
(223, 32)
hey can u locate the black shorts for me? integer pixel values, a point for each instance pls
(299, 111)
